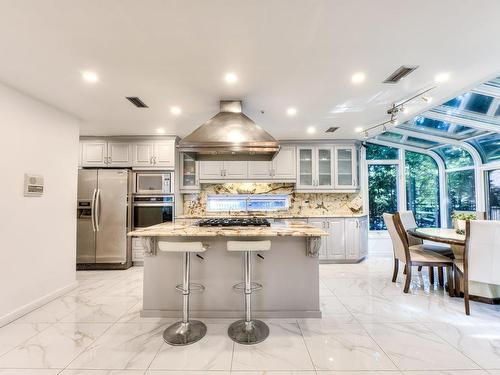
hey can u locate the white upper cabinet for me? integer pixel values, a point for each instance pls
(142, 153)
(283, 166)
(260, 170)
(346, 176)
(94, 153)
(154, 154)
(211, 170)
(164, 154)
(235, 169)
(119, 154)
(223, 170)
(315, 168)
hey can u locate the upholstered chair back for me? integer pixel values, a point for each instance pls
(483, 251)
(397, 242)
(408, 221)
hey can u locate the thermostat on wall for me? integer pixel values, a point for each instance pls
(33, 185)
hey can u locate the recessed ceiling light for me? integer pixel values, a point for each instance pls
(311, 130)
(160, 131)
(291, 111)
(175, 110)
(442, 77)
(358, 77)
(230, 77)
(359, 129)
(90, 76)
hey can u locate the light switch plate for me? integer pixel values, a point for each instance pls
(33, 185)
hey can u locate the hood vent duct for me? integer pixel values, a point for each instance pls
(230, 135)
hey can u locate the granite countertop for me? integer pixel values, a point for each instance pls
(269, 216)
(287, 229)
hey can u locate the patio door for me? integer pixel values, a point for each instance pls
(494, 194)
(383, 192)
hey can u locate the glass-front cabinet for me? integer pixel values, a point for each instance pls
(327, 168)
(346, 176)
(315, 168)
(189, 173)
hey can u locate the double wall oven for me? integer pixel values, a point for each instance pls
(153, 201)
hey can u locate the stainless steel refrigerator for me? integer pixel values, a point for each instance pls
(103, 219)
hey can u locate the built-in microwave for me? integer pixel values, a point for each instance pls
(154, 183)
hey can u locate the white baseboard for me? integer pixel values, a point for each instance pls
(16, 314)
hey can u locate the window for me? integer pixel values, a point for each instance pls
(382, 193)
(377, 152)
(455, 102)
(455, 157)
(461, 192)
(422, 188)
(488, 146)
(478, 103)
(494, 194)
(247, 202)
(425, 125)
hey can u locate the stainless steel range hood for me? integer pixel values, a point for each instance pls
(230, 135)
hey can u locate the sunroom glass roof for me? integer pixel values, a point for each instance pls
(444, 129)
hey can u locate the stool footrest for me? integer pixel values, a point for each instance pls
(193, 287)
(253, 286)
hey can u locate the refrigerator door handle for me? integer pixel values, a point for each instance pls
(98, 209)
(92, 210)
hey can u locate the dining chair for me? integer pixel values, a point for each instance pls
(481, 260)
(408, 221)
(415, 255)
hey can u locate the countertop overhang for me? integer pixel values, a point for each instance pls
(282, 229)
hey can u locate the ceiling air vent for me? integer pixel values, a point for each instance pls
(400, 73)
(136, 101)
(331, 129)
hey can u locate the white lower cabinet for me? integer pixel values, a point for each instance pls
(348, 239)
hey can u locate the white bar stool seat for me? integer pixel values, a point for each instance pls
(248, 331)
(186, 331)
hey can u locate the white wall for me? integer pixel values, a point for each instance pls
(37, 234)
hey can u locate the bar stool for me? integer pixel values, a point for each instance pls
(248, 331)
(186, 331)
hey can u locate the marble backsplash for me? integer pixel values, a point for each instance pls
(300, 203)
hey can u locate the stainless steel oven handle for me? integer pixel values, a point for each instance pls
(98, 209)
(92, 211)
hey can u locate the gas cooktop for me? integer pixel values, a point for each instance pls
(234, 222)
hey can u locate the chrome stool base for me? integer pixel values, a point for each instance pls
(179, 334)
(248, 333)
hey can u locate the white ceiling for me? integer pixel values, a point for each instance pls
(298, 53)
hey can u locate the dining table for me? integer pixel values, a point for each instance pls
(443, 235)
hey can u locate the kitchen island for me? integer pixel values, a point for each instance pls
(289, 272)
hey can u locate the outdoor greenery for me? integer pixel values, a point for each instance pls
(422, 188)
(461, 192)
(455, 157)
(382, 193)
(377, 152)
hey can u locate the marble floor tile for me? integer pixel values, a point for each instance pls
(447, 372)
(123, 346)
(15, 334)
(273, 372)
(133, 315)
(414, 347)
(479, 343)
(283, 350)
(332, 305)
(362, 286)
(343, 347)
(213, 352)
(53, 311)
(101, 309)
(54, 347)
(377, 309)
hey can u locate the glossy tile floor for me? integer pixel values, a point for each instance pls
(369, 327)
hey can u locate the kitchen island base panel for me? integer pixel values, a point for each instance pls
(289, 277)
